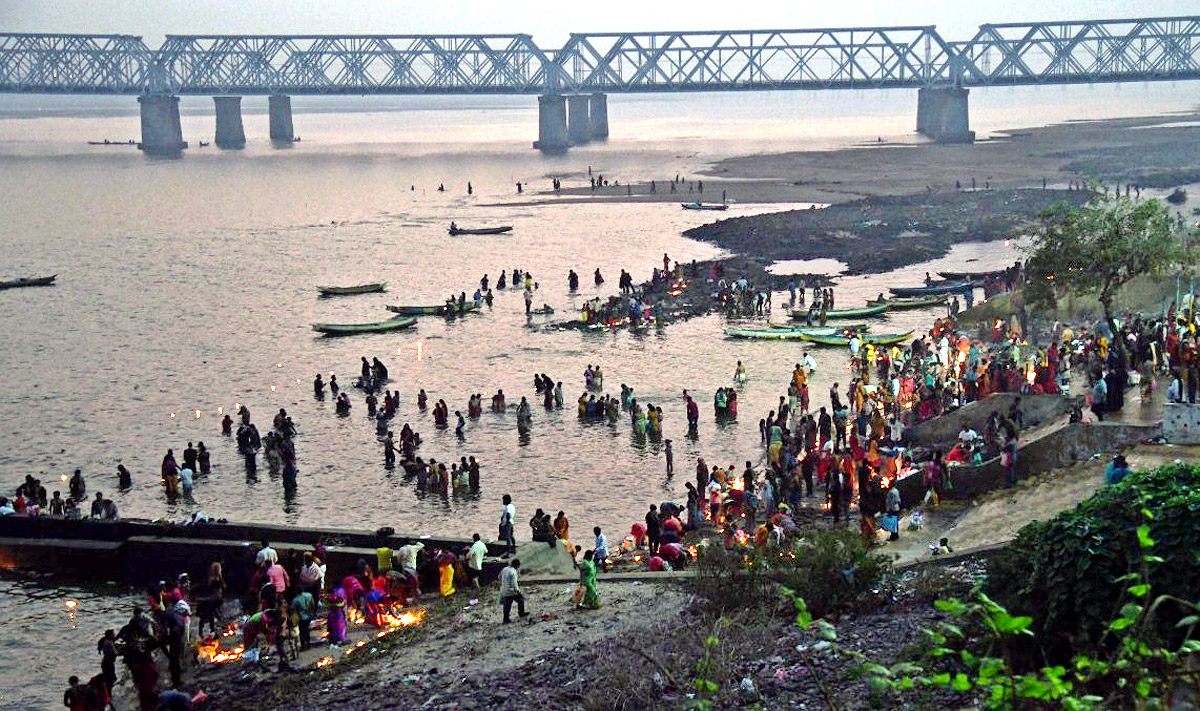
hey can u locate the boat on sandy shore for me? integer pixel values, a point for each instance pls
(456, 230)
(972, 276)
(861, 312)
(347, 290)
(434, 310)
(350, 329)
(29, 281)
(703, 206)
(919, 302)
(932, 289)
(784, 334)
(883, 339)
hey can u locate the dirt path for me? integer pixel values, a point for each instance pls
(996, 518)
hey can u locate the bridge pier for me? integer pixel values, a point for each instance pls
(552, 124)
(280, 110)
(230, 132)
(942, 114)
(598, 117)
(161, 132)
(579, 123)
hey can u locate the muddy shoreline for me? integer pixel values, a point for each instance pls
(879, 234)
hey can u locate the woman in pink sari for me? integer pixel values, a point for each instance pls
(337, 616)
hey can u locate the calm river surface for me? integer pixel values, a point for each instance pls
(190, 285)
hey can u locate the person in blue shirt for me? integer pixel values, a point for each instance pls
(1116, 470)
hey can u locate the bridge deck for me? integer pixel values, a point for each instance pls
(1067, 52)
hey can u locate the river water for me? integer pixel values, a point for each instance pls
(189, 285)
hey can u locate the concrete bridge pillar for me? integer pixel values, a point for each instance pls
(280, 109)
(552, 124)
(161, 132)
(598, 117)
(230, 133)
(942, 114)
(579, 124)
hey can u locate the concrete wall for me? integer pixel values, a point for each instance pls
(1037, 409)
(1060, 448)
(1181, 423)
(139, 552)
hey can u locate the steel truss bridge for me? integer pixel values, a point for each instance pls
(1070, 52)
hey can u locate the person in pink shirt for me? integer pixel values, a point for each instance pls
(278, 577)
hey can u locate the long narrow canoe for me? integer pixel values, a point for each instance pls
(480, 230)
(359, 289)
(782, 334)
(820, 329)
(436, 310)
(350, 329)
(702, 206)
(971, 276)
(29, 281)
(883, 339)
(861, 312)
(933, 289)
(910, 303)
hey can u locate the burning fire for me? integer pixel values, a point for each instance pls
(210, 650)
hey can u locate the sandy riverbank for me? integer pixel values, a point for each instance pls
(1154, 151)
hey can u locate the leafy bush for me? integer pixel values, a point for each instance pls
(1069, 573)
(831, 570)
(725, 583)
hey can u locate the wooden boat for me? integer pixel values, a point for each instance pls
(438, 310)
(971, 276)
(883, 339)
(839, 327)
(784, 334)
(932, 289)
(345, 290)
(703, 206)
(350, 329)
(454, 230)
(910, 303)
(29, 281)
(861, 312)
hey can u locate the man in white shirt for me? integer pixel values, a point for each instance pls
(406, 557)
(266, 554)
(507, 516)
(475, 561)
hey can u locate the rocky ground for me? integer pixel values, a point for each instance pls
(878, 234)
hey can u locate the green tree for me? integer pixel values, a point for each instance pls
(1097, 247)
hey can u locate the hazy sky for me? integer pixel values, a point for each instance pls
(548, 22)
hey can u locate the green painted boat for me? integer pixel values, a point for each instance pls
(821, 329)
(786, 334)
(438, 310)
(802, 314)
(350, 329)
(911, 303)
(883, 339)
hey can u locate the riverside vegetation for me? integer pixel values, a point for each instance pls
(1094, 609)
